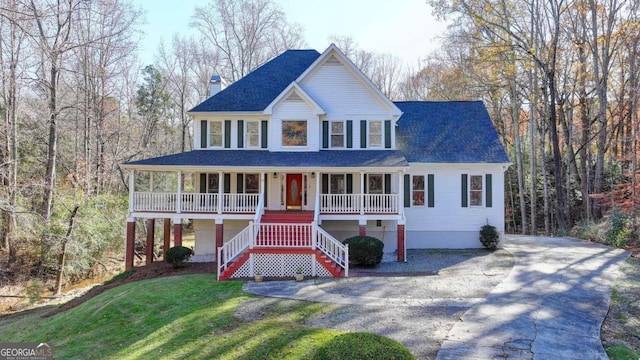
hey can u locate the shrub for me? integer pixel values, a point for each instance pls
(362, 346)
(619, 230)
(364, 250)
(489, 237)
(589, 230)
(177, 255)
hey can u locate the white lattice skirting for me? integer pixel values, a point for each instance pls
(281, 265)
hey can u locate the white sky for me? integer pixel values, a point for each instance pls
(404, 28)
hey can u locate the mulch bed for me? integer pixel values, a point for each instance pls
(155, 270)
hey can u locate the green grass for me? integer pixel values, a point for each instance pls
(621, 352)
(186, 317)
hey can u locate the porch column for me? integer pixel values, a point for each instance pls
(318, 197)
(362, 224)
(402, 245)
(177, 232)
(132, 191)
(362, 192)
(166, 232)
(219, 233)
(179, 199)
(220, 190)
(130, 243)
(151, 233)
(401, 192)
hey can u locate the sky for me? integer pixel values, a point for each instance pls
(404, 28)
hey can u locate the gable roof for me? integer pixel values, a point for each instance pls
(260, 158)
(448, 132)
(259, 88)
(291, 89)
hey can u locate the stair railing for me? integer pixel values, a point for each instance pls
(331, 247)
(234, 247)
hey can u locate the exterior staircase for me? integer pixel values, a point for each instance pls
(285, 232)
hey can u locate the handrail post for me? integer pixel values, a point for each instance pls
(314, 235)
(252, 232)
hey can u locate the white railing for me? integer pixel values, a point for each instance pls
(154, 201)
(259, 211)
(283, 235)
(351, 203)
(334, 249)
(199, 202)
(240, 202)
(234, 247)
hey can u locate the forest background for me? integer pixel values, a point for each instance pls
(560, 79)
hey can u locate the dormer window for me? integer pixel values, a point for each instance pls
(294, 133)
(337, 134)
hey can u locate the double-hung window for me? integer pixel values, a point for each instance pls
(213, 183)
(337, 134)
(375, 133)
(375, 184)
(475, 190)
(417, 190)
(337, 184)
(216, 134)
(253, 134)
(251, 183)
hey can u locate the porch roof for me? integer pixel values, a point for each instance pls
(267, 159)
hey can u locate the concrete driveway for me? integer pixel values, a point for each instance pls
(539, 298)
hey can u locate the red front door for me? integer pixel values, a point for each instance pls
(294, 191)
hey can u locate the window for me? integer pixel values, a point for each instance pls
(475, 190)
(375, 133)
(253, 134)
(294, 133)
(212, 183)
(375, 184)
(417, 190)
(251, 183)
(337, 184)
(215, 134)
(337, 134)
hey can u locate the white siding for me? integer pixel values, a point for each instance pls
(294, 110)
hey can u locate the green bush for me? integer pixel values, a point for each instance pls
(362, 346)
(364, 250)
(619, 231)
(489, 237)
(177, 255)
(590, 230)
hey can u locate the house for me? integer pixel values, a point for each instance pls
(304, 152)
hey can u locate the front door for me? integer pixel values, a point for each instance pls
(294, 191)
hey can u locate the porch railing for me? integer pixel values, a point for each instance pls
(198, 202)
(234, 247)
(283, 235)
(194, 202)
(360, 203)
(334, 249)
(154, 201)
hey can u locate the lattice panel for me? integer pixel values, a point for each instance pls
(321, 270)
(281, 265)
(243, 271)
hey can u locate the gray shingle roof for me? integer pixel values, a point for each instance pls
(448, 132)
(262, 158)
(256, 90)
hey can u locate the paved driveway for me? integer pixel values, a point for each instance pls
(540, 298)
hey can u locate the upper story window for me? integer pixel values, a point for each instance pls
(216, 134)
(253, 134)
(294, 133)
(337, 134)
(475, 190)
(375, 133)
(417, 190)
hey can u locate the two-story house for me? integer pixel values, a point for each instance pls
(304, 152)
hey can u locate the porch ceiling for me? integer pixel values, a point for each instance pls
(266, 159)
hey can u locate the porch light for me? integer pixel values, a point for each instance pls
(275, 175)
(313, 175)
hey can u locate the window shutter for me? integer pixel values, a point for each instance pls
(363, 134)
(325, 134)
(431, 193)
(240, 134)
(227, 183)
(325, 183)
(349, 134)
(264, 135)
(266, 190)
(489, 199)
(203, 183)
(465, 193)
(203, 134)
(239, 183)
(227, 134)
(407, 190)
(349, 183)
(366, 186)
(387, 183)
(387, 134)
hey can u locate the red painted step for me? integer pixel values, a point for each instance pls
(235, 265)
(288, 217)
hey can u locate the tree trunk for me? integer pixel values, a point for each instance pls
(63, 253)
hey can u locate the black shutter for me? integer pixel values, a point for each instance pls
(387, 134)
(325, 183)
(407, 190)
(366, 186)
(363, 134)
(239, 183)
(489, 200)
(325, 134)
(227, 134)
(203, 134)
(349, 183)
(264, 135)
(349, 134)
(227, 183)
(266, 190)
(203, 183)
(387, 183)
(240, 134)
(465, 202)
(431, 193)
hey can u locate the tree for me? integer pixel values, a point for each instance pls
(152, 101)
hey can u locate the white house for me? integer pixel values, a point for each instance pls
(304, 152)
